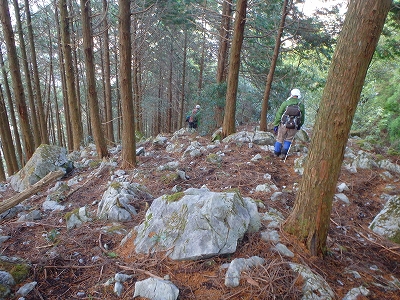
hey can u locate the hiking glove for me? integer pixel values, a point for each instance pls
(276, 129)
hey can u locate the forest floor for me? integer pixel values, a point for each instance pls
(75, 264)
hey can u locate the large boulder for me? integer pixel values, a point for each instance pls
(196, 224)
(46, 159)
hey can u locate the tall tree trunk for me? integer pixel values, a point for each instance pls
(270, 77)
(97, 129)
(31, 100)
(310, 218)
(224, 41)
(6, 138)
(17, 139)
(68, 129)
(222, 64)
(183, 87)
(16, 79)
(170, 87)
(73, 101)
(128, 122)
(39, 102)
(228, 126)
(137, 80)
(107, 80)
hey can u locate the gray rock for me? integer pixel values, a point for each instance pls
(342, 197)
(232, 276)
(199, 225)
(283, 250)
(263, 138)
(115, 203)
(77, 218)
(6, 279)
(354, 293)
(387, 222)
(315, 287)
(156, 289)
(26, 288)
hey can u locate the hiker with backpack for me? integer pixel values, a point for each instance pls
(288, 120)
(193, 118)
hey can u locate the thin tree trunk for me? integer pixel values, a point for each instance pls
(6, 138)
(68, 130)
(2, 173)
(270, 77)
(183, 87)
(107, 81)
(128, 122)
(73, 101)
(31, 100)
(310, 218)
(170, 87)
(16, 79)
(222, 65)
(17, 139)
(97, 129)
(39, 102)
(228, 126)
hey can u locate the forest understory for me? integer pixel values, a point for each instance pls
(75, 264)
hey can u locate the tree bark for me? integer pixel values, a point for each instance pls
(128, 122)
(97, 129)
(270, 77)
(222, 65)
(107, 80)
(17, 139)
(6, 138)
(310, 218)
(41, 115)
(16, 79)
(228, 126)
(28, 80)
(73, 101)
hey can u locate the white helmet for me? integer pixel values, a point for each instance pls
(295, 92)
(198, 106)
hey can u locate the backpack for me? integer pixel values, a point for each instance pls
(292, 116)
(192, 118)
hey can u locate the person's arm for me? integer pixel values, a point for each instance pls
(279, 114)
(303, 114)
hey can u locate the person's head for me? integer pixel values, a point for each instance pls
(295, 93)
(197, 106)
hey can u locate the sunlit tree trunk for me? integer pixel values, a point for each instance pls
(128, 122)
(15, 131)
(8, 35)
(228, 126)
(39, 102)
(28, 80)
(73, 101)
(270, 77)
(94, 111)
(310, 218)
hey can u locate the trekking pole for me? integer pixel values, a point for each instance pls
(288, 150)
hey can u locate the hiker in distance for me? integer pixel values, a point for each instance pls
(193, 118)
(288, 120)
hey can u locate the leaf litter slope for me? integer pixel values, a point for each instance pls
(66, 263)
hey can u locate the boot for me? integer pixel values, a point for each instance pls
(277, 150)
